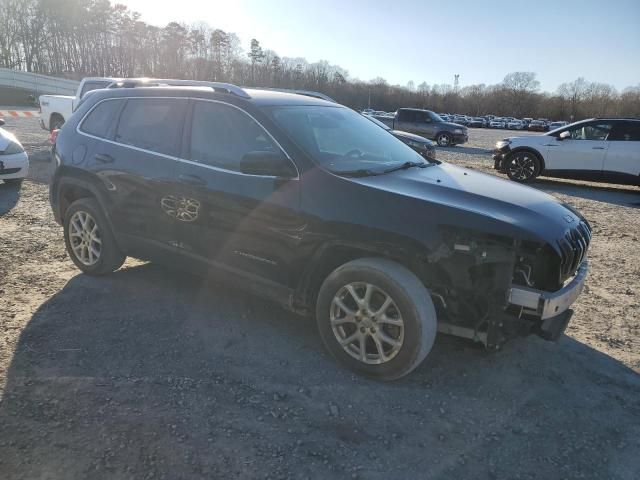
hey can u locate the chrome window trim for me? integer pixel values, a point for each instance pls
(184, 160)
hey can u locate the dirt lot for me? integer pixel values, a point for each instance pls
(151, 373)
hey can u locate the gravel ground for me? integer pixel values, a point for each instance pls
(152, 373)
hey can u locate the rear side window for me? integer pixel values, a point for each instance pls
(153, 124)
(406, 116)
(101, 119)
(625, 132)
(93, 85)
(221, 135)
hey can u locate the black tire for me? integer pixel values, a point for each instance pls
(411, 303)
(14, 181)
(56, 122)
(110, 257)
(523, 166)
(443, 139)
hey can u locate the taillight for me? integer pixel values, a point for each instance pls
(54, 136)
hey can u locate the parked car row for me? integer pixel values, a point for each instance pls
(487, 121)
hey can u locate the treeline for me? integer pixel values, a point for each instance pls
(76, 38)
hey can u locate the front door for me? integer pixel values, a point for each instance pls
(584, 151)
(248, 224)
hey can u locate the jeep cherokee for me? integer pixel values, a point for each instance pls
(307, 202)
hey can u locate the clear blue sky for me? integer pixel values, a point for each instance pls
(402, 40)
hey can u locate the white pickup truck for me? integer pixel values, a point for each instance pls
(56, 109)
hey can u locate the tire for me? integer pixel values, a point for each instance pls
(409, 320)
(109, 257)
(443, 139)
(14, 181)
(56, 122)
(523, 166)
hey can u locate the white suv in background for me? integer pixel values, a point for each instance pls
(599, 149)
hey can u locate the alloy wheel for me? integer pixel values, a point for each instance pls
(522, 167)
(84, 237)
(367, 323)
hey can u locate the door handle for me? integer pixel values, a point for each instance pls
(598, 148)
(103, 158)
(191, 180)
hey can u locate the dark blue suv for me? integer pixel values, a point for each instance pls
(307, 202)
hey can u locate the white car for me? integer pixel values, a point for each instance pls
(497, 123)
(515, 125)
(14, 162)
(599, 149)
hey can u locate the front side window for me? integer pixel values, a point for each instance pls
(101, 118)
(222, 135)
(590, 131)
(153, 124)
(341, 140)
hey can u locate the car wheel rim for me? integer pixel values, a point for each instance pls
(367, 323)
(522, 167)
(443, 141)
(84, 236)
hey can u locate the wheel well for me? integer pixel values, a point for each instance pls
(530, 150)
(327, 261)
(71, 193)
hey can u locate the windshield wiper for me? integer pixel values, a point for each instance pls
(361, 172)
(407, 165)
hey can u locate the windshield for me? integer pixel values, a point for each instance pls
(343, 141)
(435, 117)
(377, 122)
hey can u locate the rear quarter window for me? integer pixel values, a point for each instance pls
(626, 132)
(153, 124)
(101, 119)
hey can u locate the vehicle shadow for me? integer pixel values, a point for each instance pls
(617, 195)
(9, 196)
(152, 373)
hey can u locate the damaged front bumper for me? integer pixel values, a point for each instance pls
(549, 304)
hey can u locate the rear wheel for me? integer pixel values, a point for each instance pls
(376, 318)
(56, 122)
(443, 139)
(523, 166)
(14, 181)
(89, 240)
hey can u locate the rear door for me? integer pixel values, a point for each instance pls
(584, 151)
(137, 165)
(247, 224)
(623, 154)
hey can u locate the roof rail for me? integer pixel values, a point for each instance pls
(158, 82)
(308, 93)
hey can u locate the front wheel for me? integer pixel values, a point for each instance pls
(443, 139)
(376, 318)
(523, 167)
(89, 240)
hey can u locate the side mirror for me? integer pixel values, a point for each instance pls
(273, 164)
(1, 122)
(564, 135)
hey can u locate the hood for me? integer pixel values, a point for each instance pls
(411, 136)
(5, 138)
(474, 200)
(452, 125)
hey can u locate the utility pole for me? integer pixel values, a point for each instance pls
(456, 79)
